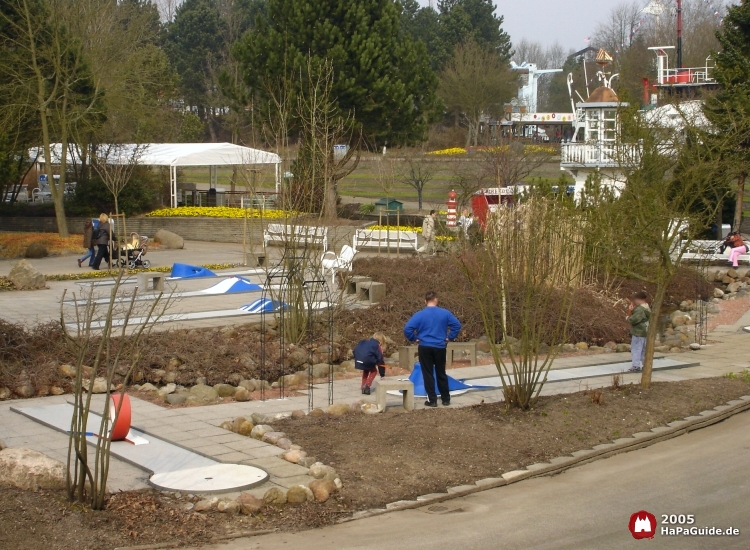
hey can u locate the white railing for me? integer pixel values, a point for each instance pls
(597, 154)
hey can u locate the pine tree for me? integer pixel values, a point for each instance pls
(729, 110)
(381, 77)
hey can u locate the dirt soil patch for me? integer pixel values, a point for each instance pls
(381, 459)
(394, 456)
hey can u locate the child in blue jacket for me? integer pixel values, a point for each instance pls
(368, 357)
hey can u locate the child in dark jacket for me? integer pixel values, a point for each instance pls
(368, 357)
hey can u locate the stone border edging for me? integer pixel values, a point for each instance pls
(577, 458)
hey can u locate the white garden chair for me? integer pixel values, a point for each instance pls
(342, 262)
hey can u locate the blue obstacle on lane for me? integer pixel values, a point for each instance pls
(187, 271)
(456, 387)
(233, 285)
(264, 304)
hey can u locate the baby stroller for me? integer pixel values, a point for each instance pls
(132, 253)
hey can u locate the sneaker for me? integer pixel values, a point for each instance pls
(430, 403)
(366, 390)
(446, 402)
(635, 369)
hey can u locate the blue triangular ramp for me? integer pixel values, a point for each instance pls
(456, 387)
(233, 285)
(186, 271)
(263, 304)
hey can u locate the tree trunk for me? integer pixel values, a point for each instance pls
(737, 224)
(653, 329)
(419, 198)
(329, 201)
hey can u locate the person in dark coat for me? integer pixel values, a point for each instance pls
(101, 239)
(88, 234)
(368, 357)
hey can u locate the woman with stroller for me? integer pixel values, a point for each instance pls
(102, 237)
(88, 234)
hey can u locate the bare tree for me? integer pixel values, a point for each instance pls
(115, 165)
(475, 83)
(510, 162)
(418, 173)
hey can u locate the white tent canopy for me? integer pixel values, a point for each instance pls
(173, 155)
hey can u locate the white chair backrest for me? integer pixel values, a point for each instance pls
(347, 253)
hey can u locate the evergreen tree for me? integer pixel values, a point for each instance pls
(729, 110)
(380, 76)
(475, 19)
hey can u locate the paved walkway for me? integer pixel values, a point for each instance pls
(197, 428)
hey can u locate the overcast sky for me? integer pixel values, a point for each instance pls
(567, 21)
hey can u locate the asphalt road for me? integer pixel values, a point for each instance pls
(705, 473)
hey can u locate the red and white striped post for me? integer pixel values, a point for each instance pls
(451, 203)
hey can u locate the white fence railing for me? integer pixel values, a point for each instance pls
(597, 154)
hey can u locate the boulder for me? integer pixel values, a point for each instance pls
(100, 385)
(249, 504)
(176, 398)
(275, 496)
(237, 422)
(733, 273)
(298, 414)
(225, 390)
(204, 393)
(322, 489)
(346, 366)
(242, 395)
(320, 470)
(36, 250)
(339, 409)
(307, 461)
(246, 428)
(294, 456)
(206, 504)
(167, 239)
(249, 385)
(299, 494)
(273, 437)
(25, 276)
(295, 359)
(260, 430)
(610, 346)
(567, 348)
(734, 287)
(678, 318)
(166, 390)
(24, 390)
(148, 386)
(201, 380)
(370, 408)
(68, 371)
(622, 348)
(260, 418)
(317, 412)
(289, 380)
(320, 370)
(5, 393)
(718, 293)
(31, 470)
(284, 443)
(228, 507)
(483, 344)
(582, 346)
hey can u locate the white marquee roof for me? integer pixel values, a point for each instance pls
(176, 154)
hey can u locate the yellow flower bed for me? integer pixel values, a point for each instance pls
(218, 212)
(113, 273)
(408, 228)
(451, 151)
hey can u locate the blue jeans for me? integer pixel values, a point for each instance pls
(638, 350)
(90, 254)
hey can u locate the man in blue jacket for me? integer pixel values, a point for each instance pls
(432, 328)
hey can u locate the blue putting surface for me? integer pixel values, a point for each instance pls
(456, 387)
(264, 304)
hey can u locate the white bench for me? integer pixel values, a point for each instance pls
(708, 251)
(296, 234)
(385, 240)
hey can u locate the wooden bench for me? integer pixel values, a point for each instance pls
(151, 280)
(408, 355)
(296, 234)
(385, 385)
(385, 240)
